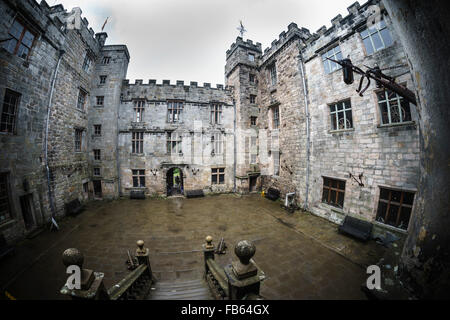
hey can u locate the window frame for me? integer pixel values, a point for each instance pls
(336, 189)
(253, 123)
(252, 99)
(97, 154)
(174, 141)
(100, 101)
(216, 113)
(217, 143)
(336, 112)
(106, 60)
(103, 79)
(330, 66)
(25, 28)
(218, 174)
(273, 74)
(400, 205)
(94, 172)
(97, 126)
(79, 140)
(401, 103)
(275, 117)
(81, 103)
(138, 176)
(137, 142)
(87, 62)
(139, 109)
(174, 111)
(5, 124)
(378, 32)
(5, 198)
(253, 57)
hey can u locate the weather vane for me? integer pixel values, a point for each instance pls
(241, 29)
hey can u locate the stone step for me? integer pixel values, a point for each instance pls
(176, 290)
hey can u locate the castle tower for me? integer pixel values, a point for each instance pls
(110, 71)
(241, 73)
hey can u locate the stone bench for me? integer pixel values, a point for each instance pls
(358, 228)
(195, 193)
(74, 207)
(137, 194)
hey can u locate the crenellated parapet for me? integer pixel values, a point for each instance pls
(248, 45)
(293, 32)
(178, 83)
(341, 28)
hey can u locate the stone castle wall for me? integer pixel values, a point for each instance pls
(196, 130)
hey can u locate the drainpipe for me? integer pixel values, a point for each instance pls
(234, 137)
(305, 94)
(50, 197)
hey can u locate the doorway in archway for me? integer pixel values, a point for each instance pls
(174, 181)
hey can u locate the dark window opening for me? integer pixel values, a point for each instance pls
(9, 111)
(217, 175)
(137, 142)
(394, 207)
(5, 209)
(138, 178)
(333, 192)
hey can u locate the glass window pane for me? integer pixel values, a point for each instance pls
(386, 35)
(135, 182)
(405, 214)
(340, 202)
(221, 178)
(368, 45)
(377, 41)
(23, 51)
(16, 30)
(333, 121)
(28, 39)
(364, 34)
(382, 207)
(10, 45)
(408, 198)
(384, 113)
(392, 218)
(349, 121)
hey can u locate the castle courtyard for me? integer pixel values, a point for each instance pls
(303, 256)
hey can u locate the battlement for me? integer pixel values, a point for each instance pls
(58, 15)
(179, 83)
(245, 44)
(340, 27)
(293, 30)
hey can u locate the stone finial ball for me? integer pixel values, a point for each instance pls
(72, 256)
(245, 250)
(208, 239)
(140, 243)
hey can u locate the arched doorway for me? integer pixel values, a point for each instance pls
(174, 181)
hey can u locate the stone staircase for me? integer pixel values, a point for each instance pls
(176, 290)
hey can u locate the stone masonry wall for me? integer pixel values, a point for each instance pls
(195, 128)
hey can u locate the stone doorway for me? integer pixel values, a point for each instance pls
(97, 188)
(252, 183)
(26, 204)
(174, 181)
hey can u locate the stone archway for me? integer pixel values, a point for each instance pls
(174, 181)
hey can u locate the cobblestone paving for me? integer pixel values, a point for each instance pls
(297, 265)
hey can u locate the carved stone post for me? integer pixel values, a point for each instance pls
(142, 255)
(208, 251)
(91, 284)
(244, 276)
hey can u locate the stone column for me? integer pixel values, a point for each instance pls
(142, 255)
(91, 284)
(244, 277)
(208, 251)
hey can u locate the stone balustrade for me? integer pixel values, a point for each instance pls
(135, 286)
(241, 280)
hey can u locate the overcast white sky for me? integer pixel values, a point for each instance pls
(187, 39)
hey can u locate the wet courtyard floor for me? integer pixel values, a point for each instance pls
(302, 256)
